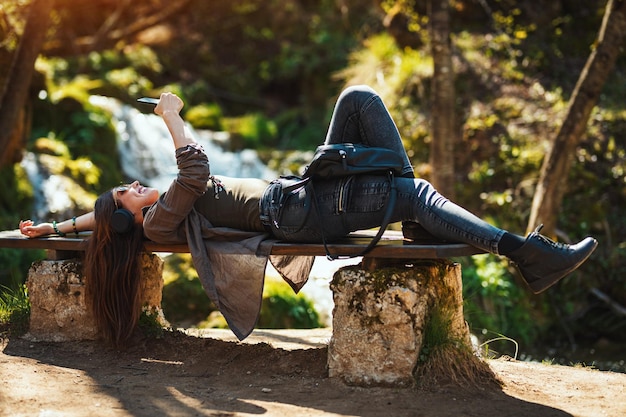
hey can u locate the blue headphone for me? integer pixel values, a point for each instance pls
(122, 221)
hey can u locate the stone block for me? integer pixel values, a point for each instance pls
(380, 319)
(56, 290)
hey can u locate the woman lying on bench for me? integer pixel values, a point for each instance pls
(209, 212)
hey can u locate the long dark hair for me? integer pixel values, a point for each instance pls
(113, 274)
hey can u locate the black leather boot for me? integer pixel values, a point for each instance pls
(543, 262)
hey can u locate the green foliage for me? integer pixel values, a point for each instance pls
(126, 80)
(140, 57)
(494, 302)
(205, 116)
(301, 131)
(122, 73)
(81, 135)
(282, 309)
(255, 130)
(184, 299)
(14, 310)
(51, 146)
(185, 302)
(404, 72)
(507, 116)
(16, 197)
(14, 15)
(269, 57)
(402, 78)
(15, 204)
(15, 264)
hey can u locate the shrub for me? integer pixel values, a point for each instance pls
(205, 116)
(254, 129)
(14, 310)
(186, 303)
(494, 303)
(282, 309)
(184, 300)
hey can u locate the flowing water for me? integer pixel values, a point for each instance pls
(147, 153)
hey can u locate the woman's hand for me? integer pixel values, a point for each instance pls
(168, 102)
(30, 229)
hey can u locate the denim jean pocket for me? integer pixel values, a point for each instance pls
(367, 194)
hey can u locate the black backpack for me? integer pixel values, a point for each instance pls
(346, 159)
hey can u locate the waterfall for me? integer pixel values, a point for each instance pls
(147, 153)
(50, 195)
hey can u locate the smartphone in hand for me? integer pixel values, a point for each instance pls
(148, 100)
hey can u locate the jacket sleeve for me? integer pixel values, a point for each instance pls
(164, 220)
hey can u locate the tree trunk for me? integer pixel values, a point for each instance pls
(15, 91)
(443, 132)
(551, 186)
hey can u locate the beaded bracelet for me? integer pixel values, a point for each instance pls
(74, 226)
(56, 229)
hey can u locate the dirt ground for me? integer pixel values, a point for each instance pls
(274, 373)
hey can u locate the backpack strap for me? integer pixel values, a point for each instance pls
(296, 185)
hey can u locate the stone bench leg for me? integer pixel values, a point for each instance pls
(56, 290)
(381, 321)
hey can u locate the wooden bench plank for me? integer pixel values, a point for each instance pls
(391, 246)
(14, 239)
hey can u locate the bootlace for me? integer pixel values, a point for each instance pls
(550, 242)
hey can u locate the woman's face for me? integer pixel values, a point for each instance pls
(134, 197)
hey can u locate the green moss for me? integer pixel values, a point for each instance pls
(437, 332)
(152, 322)
(378, 281)
(381, 279)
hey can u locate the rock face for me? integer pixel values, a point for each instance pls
(381, 318)
(56, 290)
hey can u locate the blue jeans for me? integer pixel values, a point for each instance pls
(359, 202)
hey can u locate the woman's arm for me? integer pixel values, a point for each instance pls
(79, 224)
(162, 222)
(169, 108)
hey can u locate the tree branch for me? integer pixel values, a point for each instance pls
(614, 305)
(149, 21)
